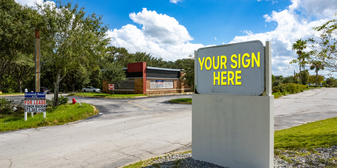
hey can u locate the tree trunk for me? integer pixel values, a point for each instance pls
(300, 75)
(73, 87)
(56, 88)
(316, 76)
(20, 85)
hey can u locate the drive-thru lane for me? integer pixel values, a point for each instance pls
(128, 130)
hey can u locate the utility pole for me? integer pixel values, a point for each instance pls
(37, 60)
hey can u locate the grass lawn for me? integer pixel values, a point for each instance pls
(4, 94)
(182, 101)
(280, 94)
(57, 116)
(311, 87)
(321, 133)
(106, 95)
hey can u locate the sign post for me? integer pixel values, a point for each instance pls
(232, 116)
(35, 102)
(112, 87)
(37, 61)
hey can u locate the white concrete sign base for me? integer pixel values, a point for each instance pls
(233, 131)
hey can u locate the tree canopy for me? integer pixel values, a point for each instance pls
(70, 38)
(17, 31)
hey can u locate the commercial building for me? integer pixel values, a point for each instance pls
(141, 79)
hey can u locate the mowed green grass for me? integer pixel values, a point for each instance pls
(321, 133)
(280, 94)
(106, 95)
(182, 101)
(4, 94)
(59, 115)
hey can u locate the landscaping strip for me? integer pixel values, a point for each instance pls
(55, 116)
(182, 101)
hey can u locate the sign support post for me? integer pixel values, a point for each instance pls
(112, 88)
(232, 120)
(37, 61)
(268, 68)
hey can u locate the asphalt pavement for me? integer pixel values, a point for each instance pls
(308, 106)
(128, 130)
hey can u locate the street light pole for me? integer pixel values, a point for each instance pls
(37, 60)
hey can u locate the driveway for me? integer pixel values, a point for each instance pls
(308, 106)
(127, 130)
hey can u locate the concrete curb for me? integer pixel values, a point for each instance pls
(176, 102)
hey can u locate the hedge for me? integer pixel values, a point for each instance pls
(290, 87)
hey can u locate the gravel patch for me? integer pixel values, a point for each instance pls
(318, 157)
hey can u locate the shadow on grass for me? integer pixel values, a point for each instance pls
(13, 119)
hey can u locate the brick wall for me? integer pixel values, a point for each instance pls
(138, 86)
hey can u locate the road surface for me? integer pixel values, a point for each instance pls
(128, 130)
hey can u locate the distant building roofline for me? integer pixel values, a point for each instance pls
(154, 68)
(163, 69)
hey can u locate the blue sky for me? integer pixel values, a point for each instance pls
(173, 29)
(204, 19)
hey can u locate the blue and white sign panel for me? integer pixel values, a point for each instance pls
(161, 84)
(35, 102)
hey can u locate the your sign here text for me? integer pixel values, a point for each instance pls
(236, 62)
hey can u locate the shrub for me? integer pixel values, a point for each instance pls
(289, 87)
(6, 106)
(292, 88)
(283, 88)
(62, 100)
(275, 89)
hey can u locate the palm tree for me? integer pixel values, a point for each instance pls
(317, 65)
(305, 56)
(300, 45)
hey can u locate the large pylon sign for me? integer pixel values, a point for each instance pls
(232, 116)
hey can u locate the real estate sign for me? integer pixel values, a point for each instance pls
(35, 102)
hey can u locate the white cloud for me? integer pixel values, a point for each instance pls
(29, 2)
(215, 38)
(160, 35)
(319, 9)
(292, 24)
(175, 1)
(161, 28)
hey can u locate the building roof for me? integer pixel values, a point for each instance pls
(163, 69)
(154, 68)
